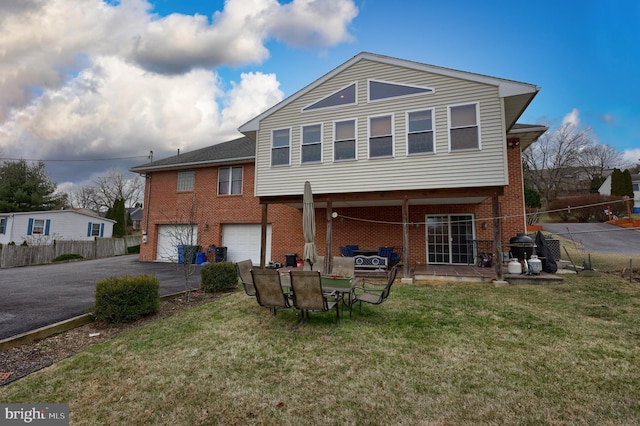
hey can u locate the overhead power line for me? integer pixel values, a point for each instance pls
(69, 160)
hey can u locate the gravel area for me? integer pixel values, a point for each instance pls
(21, 361)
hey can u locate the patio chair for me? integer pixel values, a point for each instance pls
(318, 266)
(373, 295)
(244, 272)
(346, 252)
(385, 251)
(308, 294)
(269, 291)
(343, 266)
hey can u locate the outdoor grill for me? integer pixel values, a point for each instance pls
(521, 247)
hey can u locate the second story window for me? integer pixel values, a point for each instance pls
(186, 180)
(230, 180)
(380, 136)
(344, 146)
(463, 127)
(280, 145)
(311, 144)
(420, 131)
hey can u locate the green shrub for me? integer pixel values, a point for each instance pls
(66, 257)
(133, 249)
(219, 276)
(127, 298)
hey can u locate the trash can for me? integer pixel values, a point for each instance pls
(187, 252)
(221, 254)
(290, 260)
(201, 257)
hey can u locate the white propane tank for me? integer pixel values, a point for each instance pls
(514, 267)
(535, 265)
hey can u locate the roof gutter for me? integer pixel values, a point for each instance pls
(143, 169)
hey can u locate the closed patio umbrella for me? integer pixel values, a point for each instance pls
(309, 225)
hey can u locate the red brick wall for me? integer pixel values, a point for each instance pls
(167, 206)
(367, 227)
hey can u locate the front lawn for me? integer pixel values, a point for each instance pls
(431, 354)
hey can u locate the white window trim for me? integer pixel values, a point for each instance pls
(33, 229)
(393, 139)
(433, 130)
(272, 148)
(334, 140)
(355, 83)
(416, 86)
(479, 147)
(230, 168)
(321, 143)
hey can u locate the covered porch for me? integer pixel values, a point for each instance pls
(399, 218)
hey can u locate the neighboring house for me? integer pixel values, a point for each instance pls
(398, 153)
(44, 227)
(605, 189)
(135, 213)
(206, 198)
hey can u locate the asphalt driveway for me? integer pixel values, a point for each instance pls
(36, 296)
(601, 237)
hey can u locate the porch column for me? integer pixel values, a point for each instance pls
(328, 259)
(405, 237)
(497, 237)
(263, 237)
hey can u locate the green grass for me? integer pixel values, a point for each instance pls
(431, 354)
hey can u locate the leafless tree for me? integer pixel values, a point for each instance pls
(183, 233)
(550, 161)
(101, 194)
(597, 158)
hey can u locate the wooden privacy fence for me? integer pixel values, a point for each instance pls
(14, 255)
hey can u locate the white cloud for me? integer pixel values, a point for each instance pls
(91, 78)
(631, 156)
(572, 118)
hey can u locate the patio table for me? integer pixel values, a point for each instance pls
(343, 286)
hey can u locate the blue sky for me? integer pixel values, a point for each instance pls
(99, 80)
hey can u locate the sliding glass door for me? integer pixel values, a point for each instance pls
(450, 239)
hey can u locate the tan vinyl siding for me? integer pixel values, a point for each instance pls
(444, 169)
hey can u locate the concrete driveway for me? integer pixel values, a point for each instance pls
(37, 296)
(601, 237)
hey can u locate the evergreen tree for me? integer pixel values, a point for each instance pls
(627, 183)
(616, 182)
(118, 213)
(25, 187)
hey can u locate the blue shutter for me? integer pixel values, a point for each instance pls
(89, 229)
(30, 227)
(47, 225)
(102, 229)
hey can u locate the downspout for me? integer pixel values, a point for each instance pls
(146, 207)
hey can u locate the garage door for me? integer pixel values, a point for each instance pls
(170, 236)
(243, 242)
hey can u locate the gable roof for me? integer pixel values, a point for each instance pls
(234, 151)
(520, 93)
(81, 212)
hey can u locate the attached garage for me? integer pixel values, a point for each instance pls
(170, 236)
(243, 242)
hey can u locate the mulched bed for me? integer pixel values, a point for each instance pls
(21, 361)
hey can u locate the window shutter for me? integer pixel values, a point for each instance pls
(89, 229)
(30, 227)
(102, 230)
(47, 225)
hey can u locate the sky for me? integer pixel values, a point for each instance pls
(92, 85)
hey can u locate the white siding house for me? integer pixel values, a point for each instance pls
(44, 227)
(605, 189)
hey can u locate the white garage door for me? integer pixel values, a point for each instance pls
(243, 242)
(170, 236)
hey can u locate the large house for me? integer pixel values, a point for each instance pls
(398, 153)
(44, 227)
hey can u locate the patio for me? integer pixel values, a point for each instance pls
(468, 273)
